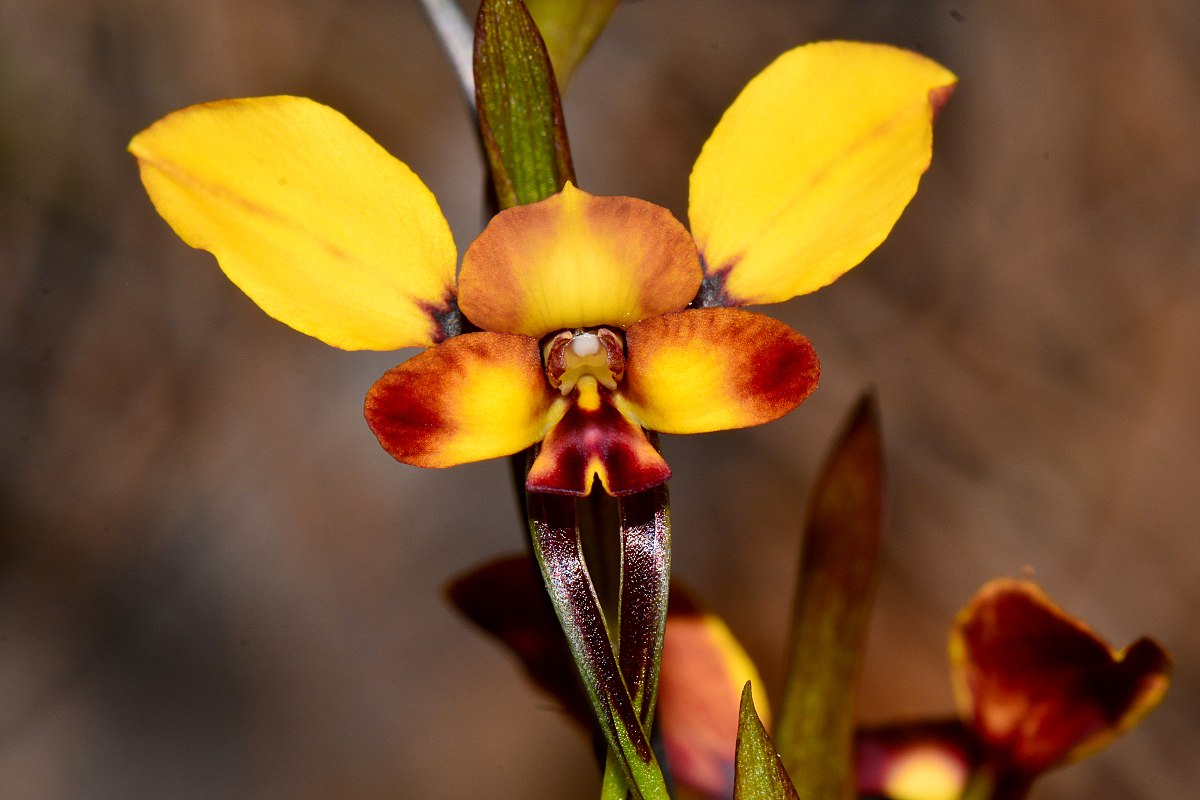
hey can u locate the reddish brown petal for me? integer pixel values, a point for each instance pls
(473, 397)
(1039, 686)
(596, 442)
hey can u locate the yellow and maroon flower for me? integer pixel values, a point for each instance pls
(1036, 688)
(596, 314)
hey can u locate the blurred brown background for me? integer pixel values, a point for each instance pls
(214, 583)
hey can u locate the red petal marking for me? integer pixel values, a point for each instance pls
(1039, 685)
(596, 443)
(938, 98)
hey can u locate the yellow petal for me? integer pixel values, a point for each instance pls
(811, 166)
(577, 260)
(473, 397)
(311, 218)
(713, 369)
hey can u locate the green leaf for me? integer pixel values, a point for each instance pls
(759, 774)
(554, 528)
(569, 28)
(815, 730)
(520, 115)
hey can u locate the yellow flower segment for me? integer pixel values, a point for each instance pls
(593, 316)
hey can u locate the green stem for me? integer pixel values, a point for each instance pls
(614, 786)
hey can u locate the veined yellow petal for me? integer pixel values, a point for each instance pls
(713, 369)
(811, 166)
(308, 215)
(576, 260)
(473, 397)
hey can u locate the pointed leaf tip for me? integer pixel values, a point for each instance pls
(704, 670)
(759, 772)
(836, 583)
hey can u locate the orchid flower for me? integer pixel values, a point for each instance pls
(1036, 689)
(588, 320)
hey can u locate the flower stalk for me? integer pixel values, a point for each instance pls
(524, 136)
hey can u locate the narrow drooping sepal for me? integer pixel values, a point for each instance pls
(714, 369)
(594, 441)
(810, 167)
(645, 530)
(569, 27)
(473, 397)
(1038, 686)
(760, 775)
(704, 669)
(555, 532)
(577, 260)
(920, 761)
(308, 216)
(520, 113)
(838, 562)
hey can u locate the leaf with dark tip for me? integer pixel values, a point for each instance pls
(837, 575)
(520, 115)
(569, 27)
(759, 772)
(555, 532)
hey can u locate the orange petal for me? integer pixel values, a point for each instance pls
(703, 671)
(577, 260)
(1039, 686)
(714, 369)
(473, 397)
(594, 440)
